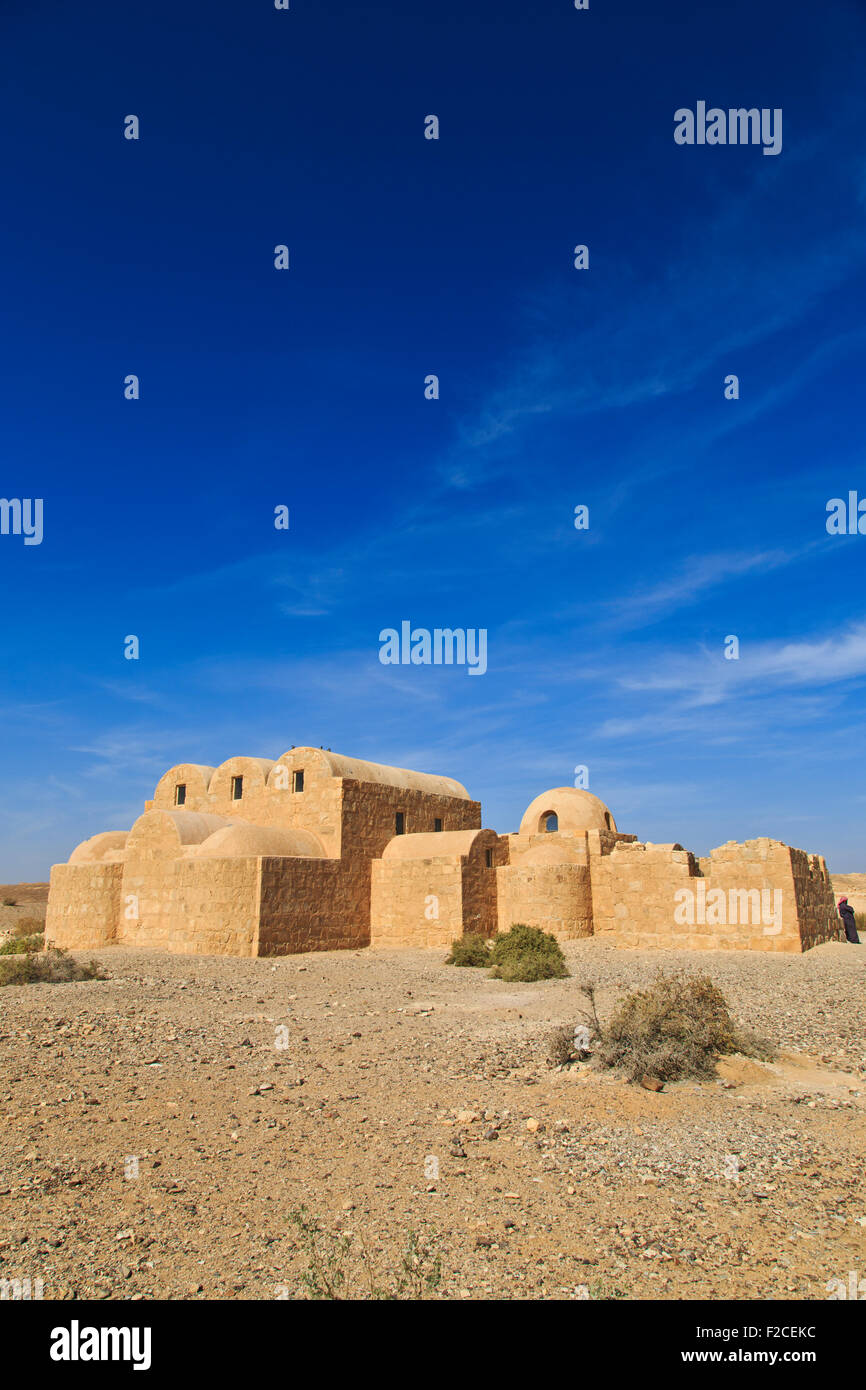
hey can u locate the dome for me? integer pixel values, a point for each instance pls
(574, 809)
(195, 778)
(355, 769)
(167, 833)
(107, 848)
(241, 840)
(437, 844)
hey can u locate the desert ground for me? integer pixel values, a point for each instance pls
(162, 1128)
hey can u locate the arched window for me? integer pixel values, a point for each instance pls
(551, 822)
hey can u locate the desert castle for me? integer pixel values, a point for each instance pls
(319, 852)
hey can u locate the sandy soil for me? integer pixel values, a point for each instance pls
(390, 1094)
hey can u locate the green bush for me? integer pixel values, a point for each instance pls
(527, 953)
(678, 1027)
(54, 967)
(20, 945)
(470, 949)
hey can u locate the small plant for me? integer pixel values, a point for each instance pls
(602, 1288)
(325, 1275)
(9, 902)
(527, 953)
(678, 1027)
(21, 945)
(420, 1271)
(337, 1270)
(471, 949)
(53, 967)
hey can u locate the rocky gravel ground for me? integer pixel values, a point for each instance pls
(160, 1131)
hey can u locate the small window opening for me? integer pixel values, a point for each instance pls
(237, 788)
(551, 823)
(607, 819)
(437, 824)
(297, 781)
(400, 823)
(488, 854)
(180, 794)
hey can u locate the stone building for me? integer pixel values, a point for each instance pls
(318, 852)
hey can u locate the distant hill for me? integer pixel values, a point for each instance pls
(25, 892)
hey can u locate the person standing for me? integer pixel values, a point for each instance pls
(846, 912)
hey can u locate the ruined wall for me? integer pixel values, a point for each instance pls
(83, 905)
(760, 896)
(813, 887)
(313, 905)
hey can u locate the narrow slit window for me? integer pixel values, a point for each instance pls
(488, 854)
(180, 794)
(400, 823)
(297, 781)
(437, 824)
(237, 788)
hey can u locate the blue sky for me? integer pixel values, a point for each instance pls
(558, 387)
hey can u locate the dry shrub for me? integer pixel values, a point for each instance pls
(470, 949)
(561, 1048)
(53, 967)
(678, 1027)
(527, 953)
(29, 926)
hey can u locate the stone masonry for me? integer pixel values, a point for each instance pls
(317, 851)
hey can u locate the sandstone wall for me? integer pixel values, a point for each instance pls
(813, 887)
(350, 817)
(633, 887)
(416, 902)
(313, 905)
(369, 815)
(83, 905)
(268, 798)
(555, 897)
(431, 901)
(635, 899)
(205, 907)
